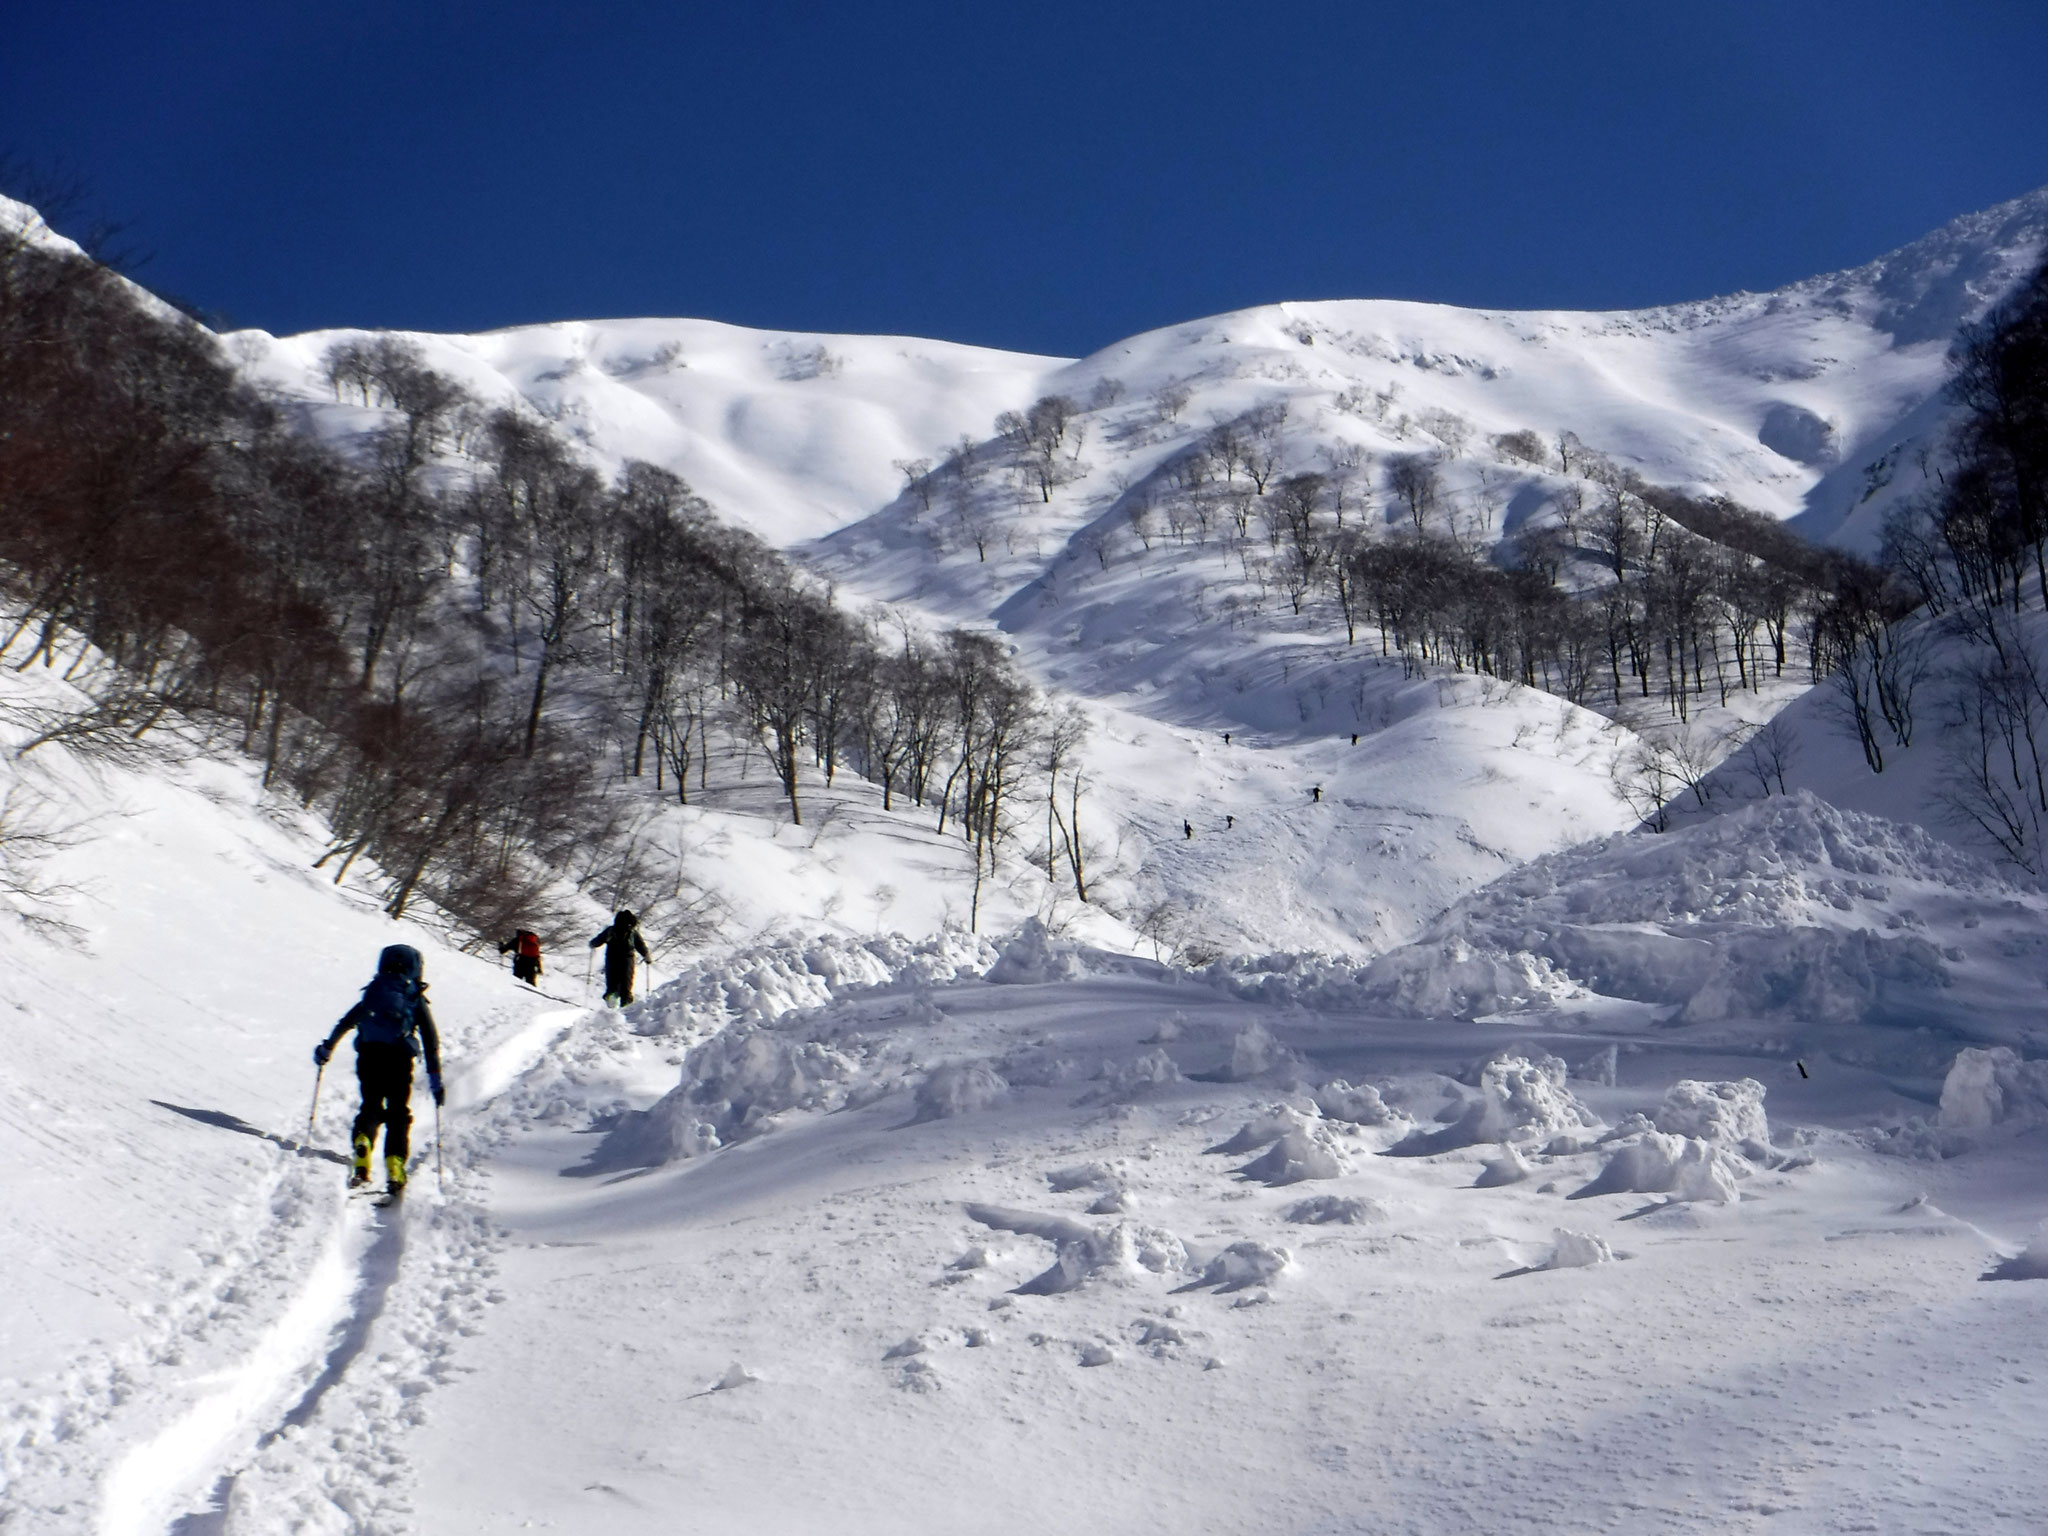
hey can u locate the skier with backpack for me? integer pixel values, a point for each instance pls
(393, 1026)
(620, 941)
(524, 948)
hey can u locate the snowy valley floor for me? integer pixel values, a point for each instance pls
(877, 1235)
(811, 1330)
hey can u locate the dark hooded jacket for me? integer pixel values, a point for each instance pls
(393, 1009)
(621, 941)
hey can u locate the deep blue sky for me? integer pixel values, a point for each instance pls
(1048, 177)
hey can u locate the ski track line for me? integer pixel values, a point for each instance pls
(514, 1057)
(146, 1485)
(221, 1439)
(431, 1311)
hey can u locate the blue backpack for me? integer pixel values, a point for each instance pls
(390, 1002)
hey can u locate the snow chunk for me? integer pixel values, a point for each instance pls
(1254, 1053)
(1727, 1114)
(1300, 1154)
(1081, 1176)
(1684, 1167)
(1124, 1250)
(1343, 1210)
(1265, 1128)
(1986, 1087)
(1518, 1099)
(1146, 1073)
(1246, 1264)
(958, 1088)
(1508, 1168)
(1361, 1105)
(732, 1086)
(1576, 1250)
(1034, 956)
(1098, 1354)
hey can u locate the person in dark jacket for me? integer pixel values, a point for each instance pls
(620, 942)
(393, 1026)
(524, 948)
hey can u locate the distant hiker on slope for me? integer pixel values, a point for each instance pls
(393, 1025)
(620, 941)
(524, 948)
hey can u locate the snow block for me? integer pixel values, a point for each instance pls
(1518, 1100)
(1684, 1167)
(1727, 1114)
(958, 1088)
(1508, 1168)
(1123, 1251)
(1246, 1264)
(1033, 957)
(1992, 1086)
(732, 1085)
(1254, 1054)
(1295, 1157)
(1576, 1250)
(1339, 1210)
(1362, 1105)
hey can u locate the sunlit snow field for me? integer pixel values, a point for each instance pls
(1417, 1147)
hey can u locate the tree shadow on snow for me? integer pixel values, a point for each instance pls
(220, 1120)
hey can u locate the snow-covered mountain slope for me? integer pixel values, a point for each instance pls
(791, 435)
(1173, 636)
(183, 1276)
(1798, 401)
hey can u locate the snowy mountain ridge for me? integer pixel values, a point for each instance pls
(795, 434)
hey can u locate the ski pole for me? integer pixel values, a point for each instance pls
(440, 1178)
(319, 1071)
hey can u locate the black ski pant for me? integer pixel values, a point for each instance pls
(618, 982)
(526, 968)
(385, 1073)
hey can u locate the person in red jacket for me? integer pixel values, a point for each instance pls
(524, 948)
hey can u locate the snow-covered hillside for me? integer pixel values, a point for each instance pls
(1417, 1148)
(1796, 403)
(875, 1235)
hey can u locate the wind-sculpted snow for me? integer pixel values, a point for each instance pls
(1789, 909)
(1518, 1100)
(1992, 1087)
(733, 1086)
(1120, 1251)
(760, 985)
